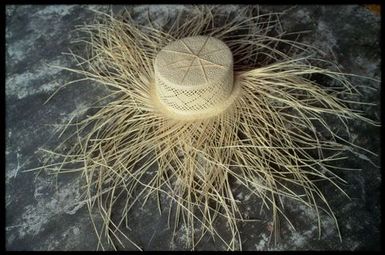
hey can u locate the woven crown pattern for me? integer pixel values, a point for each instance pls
(194, 74)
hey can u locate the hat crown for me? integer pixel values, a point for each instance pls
(194, 74)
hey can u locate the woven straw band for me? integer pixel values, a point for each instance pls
(194, 78)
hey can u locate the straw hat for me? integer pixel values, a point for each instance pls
(179, 105)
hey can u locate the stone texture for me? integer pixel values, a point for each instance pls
(43, 213)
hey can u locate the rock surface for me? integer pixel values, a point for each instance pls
(43, 213)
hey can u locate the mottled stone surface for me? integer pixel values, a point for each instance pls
(39, 217)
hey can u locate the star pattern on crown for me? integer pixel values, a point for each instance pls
(197, 59)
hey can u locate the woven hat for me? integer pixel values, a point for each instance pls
(194, 78)
(183, 126)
